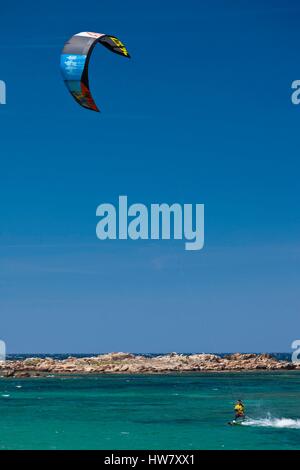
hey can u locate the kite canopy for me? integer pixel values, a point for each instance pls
(75, 59)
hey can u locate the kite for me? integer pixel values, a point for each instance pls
(75, 59)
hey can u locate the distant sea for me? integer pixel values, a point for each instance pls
(279, 355)
(176, 411)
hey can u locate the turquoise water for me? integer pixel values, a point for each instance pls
(144, 412)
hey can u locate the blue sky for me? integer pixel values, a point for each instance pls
(200, 114)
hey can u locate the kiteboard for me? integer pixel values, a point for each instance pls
(235, 422)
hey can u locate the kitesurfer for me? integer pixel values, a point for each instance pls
(239, 409)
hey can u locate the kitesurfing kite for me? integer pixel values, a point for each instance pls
(75, 59)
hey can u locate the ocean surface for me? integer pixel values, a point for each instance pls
(182, 411)
(282, 356)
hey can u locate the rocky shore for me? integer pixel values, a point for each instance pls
(125, 363)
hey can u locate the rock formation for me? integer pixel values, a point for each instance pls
(125, 363)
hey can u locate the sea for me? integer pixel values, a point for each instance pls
(187, 411)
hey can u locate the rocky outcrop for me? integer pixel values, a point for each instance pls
(125, 363)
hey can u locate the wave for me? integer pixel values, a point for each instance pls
(269, 422)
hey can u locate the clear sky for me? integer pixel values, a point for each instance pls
(200, 114)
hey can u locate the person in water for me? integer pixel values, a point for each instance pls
(239, 410)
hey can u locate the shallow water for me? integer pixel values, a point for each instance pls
(142, 412)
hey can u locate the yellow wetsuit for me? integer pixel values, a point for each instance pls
(239, 410)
